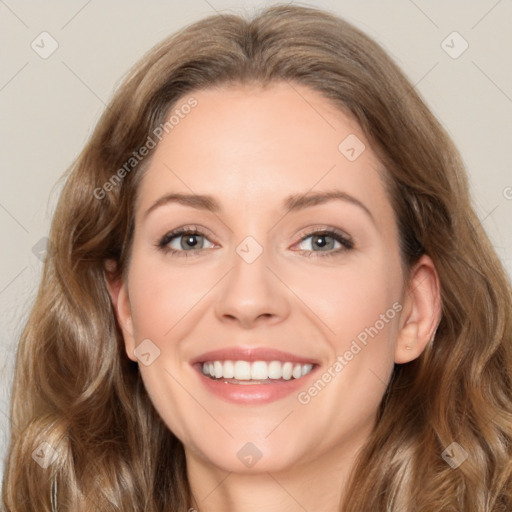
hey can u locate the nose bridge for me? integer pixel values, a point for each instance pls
(251, 290)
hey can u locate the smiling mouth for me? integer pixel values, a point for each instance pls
(255, 372)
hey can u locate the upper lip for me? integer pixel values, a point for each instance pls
(251, 354)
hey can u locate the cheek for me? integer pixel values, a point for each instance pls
(163, 303)
(162, 295)
(347, 299)
(358, 306)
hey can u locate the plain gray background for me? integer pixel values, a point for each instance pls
(49, 105)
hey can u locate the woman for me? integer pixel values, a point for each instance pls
(269, 291)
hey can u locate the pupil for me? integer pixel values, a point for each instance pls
(320, 240)
(191, 240)
(320, 244)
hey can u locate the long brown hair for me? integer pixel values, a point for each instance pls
(84, 431)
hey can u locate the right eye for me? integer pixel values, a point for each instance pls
(184, 240)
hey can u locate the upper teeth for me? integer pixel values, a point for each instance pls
(257, 370)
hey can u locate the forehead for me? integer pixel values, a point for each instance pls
(254, 146)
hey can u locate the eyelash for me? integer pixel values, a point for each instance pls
(337, 235)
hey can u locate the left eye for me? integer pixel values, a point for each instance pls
(325, 241)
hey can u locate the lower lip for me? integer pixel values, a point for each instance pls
(253, 393)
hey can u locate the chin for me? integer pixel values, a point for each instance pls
(247, 457)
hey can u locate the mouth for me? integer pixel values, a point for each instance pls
(253, 375)
(244, 372)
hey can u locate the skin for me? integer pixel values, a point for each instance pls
(250, 148)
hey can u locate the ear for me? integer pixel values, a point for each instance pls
(422, 311)
(118, 291)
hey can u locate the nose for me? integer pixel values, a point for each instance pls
(253, 293)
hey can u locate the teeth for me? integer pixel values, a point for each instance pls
(242, 370)
(257, 370)
(217, 367)
(275, 370)
(228, 371)
(287, 371)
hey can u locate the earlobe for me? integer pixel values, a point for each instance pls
(422, 312)
(118, 292)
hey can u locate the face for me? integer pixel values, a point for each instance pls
(290, 300)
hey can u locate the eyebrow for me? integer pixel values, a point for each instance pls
(294, 202)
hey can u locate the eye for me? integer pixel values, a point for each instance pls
(187, 239)
(190, 241)
(329, 242)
